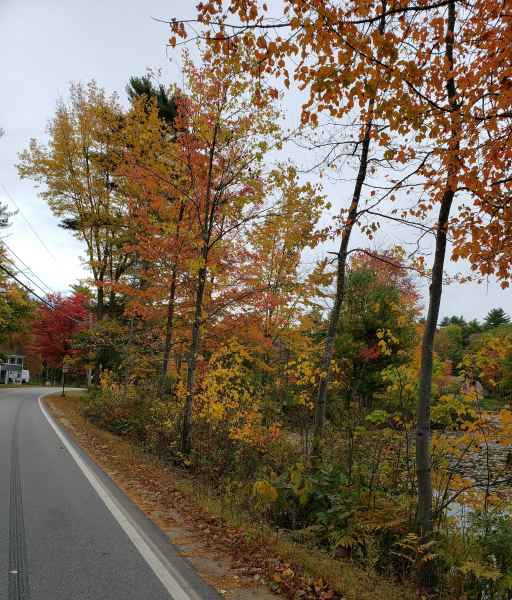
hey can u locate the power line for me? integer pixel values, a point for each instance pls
(28, 222)
(30, 290)
(30, 270)
(25, 275)
(35, 294)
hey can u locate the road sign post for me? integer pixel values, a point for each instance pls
(65, 369)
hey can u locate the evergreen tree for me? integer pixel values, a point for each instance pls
(144, 86)
(454, 320)
(496, 317)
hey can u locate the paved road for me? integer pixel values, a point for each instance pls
(66, 531)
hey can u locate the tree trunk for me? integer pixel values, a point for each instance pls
(192, 362)
(423, 453)
(207, 226)
(100, 313)
(423, 459)
(100, 301)
(168, 328)
(172, 297)
(334, 316)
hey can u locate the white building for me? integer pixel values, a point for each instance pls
(11, 369)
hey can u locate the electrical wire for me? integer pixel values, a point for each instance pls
(29, 269)
(28, 223)
(20, 272)
(35, 294)
(26, 287)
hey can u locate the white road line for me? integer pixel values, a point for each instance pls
(157, 562)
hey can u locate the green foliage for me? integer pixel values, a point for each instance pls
(452, 410)
(378, 417)
(454, 339)
(412, 554)
(144, 86)
(489, 360)
(451, 343)
(495, 318)
(16, 309)
(315, 504)
(377, 329)
(476, 563)
(495, 535)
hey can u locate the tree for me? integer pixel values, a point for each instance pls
(143, 87)
(488, 361)
(16, 309)
(378, 324)
(277, 242)
(77, 170)
(55, 325)
(450, 343)
(272, 55)
(455, 337)
(495, 318)
(220, 150)
(454, 320)
(150, 178)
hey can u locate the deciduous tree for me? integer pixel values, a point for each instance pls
(219, 154)
(55, 325)
(76, 169)
(343, 61)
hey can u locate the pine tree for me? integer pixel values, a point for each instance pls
(496, 317)
(144, 86)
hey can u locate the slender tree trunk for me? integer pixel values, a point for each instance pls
(172, 299)
(334, 316)
(100, 314)
(423, 442)
(111, 302)
(192, 361)
(128, 367)
(169, 327)
(423, 458)
(100, 301)
(209, 214)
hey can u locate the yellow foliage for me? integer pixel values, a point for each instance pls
(228, 398)
(264, 491)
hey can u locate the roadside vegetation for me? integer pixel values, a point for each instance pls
(311, 390)
(246, 554)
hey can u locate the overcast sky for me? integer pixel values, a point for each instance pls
(46, 44)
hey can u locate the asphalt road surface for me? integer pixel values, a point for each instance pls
(67, 532)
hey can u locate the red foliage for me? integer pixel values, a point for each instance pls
(370, 353)
(54, 327)
(389, 270)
